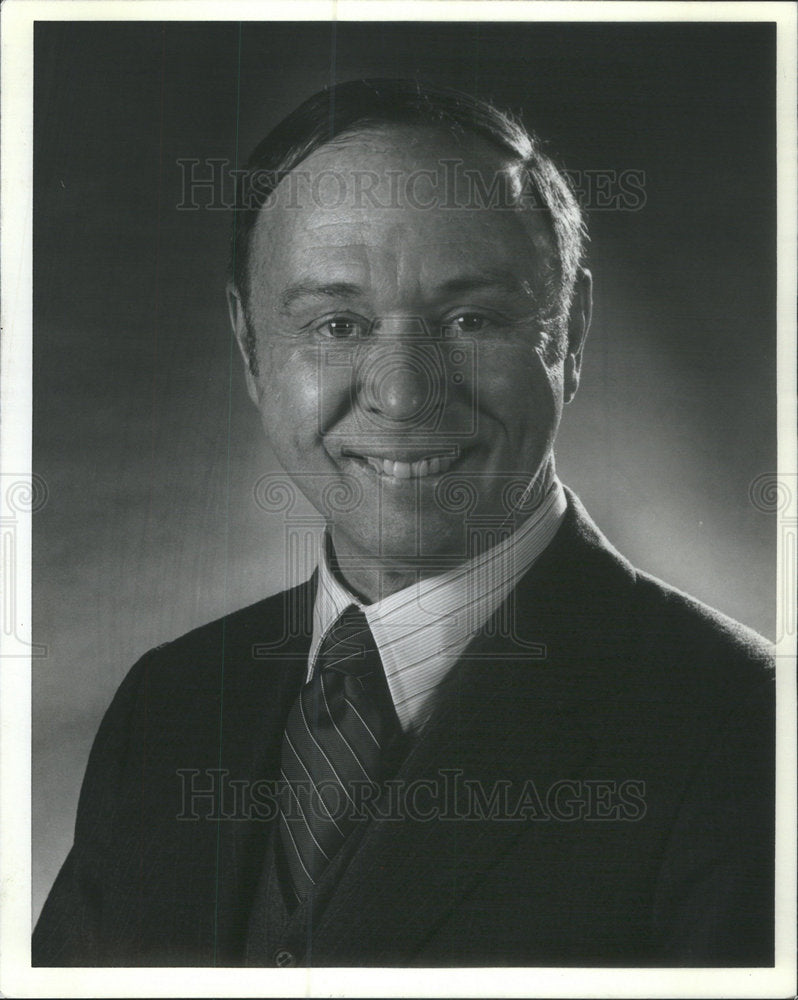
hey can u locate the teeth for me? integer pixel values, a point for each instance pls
(411, 470)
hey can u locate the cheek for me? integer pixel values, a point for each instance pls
(288, 389)
(303, 391)
(515, 380)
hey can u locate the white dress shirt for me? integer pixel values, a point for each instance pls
(422, 630)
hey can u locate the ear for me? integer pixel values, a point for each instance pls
(578, 326)
(238, 322)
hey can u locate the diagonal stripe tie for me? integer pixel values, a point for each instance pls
(334, 749)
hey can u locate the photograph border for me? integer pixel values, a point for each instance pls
(17, 978)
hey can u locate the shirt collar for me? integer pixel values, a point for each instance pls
(422, 630)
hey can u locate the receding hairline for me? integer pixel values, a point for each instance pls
(449, 130)
(486, 157)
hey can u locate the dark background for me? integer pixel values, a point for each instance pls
(142, 430)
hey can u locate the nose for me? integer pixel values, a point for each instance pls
(401, 374)
(397, 384)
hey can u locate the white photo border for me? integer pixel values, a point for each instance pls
(17, 978)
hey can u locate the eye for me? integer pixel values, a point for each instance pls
(466, 322)
(342, 327)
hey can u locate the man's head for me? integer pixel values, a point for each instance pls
(408, 296)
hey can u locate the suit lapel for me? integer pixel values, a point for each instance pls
(511, 721)
(263, 682)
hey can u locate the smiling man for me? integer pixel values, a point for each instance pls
(476, 735)
(391, 344)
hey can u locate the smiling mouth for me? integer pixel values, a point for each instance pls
(430, 465)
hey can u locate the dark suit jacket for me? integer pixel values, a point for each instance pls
(619, 739)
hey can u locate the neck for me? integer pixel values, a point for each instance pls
(370, 580)
(369, 584)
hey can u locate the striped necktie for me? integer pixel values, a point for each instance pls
(334, 749)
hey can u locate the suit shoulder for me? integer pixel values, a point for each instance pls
(687, 630)
(620, 621)
(232, 636)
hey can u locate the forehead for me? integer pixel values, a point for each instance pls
(396, 205)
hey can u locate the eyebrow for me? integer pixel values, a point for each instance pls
(502, 280)
(306, 289)
(488, 279)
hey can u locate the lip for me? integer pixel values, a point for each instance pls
(403, 465)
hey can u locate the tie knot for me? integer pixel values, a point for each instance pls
(349, 646)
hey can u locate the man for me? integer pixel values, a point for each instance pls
(477, 735)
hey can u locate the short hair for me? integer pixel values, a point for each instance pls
(359, 105)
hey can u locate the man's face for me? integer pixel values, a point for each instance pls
(405, 378)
